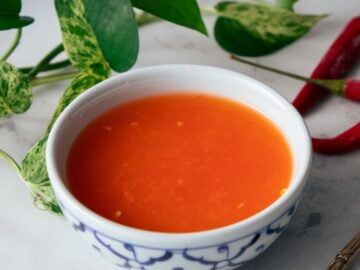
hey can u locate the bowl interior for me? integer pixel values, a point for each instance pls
(180, 78)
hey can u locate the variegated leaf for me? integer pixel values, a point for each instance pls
(84, 80)
(33, 166)
(79, 39)
(84, 52)
(34, 173)
(257, 29)
(15, 90)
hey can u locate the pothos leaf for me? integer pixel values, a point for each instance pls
(116, 30)
(15, 90)
(33, 166)
(182, 12)
(258, 29)
(90, 76)
(34, 173)
(9, 15)
(286, 4)
(83, 50)
(79, 39)
(10, 6)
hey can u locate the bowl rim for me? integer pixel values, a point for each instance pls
(298, 180)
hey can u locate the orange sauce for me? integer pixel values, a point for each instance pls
(179, 163)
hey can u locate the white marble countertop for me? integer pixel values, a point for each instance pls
(328, 216)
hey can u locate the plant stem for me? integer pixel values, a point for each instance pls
(13, 45)
(295, 76)
(144, 18)
(46, 60)
(11, 161)
(52, 78)
(335, 86)
(209, 11)
(48, 67)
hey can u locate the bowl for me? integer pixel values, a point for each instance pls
(223, 248)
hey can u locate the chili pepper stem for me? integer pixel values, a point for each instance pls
(334, 86)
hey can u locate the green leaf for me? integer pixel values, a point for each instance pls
(79, 39)
(9, 15)
(84, 80)
(33, 166)
(10, 6)
(259, 29)
(34, 173)
(84, 52)
(116, 30)
(15, 90)
(182, 12)
(14, 21)
(286, 4)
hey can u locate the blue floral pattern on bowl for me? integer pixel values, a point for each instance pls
(224, 256)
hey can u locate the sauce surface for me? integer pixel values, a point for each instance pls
(179, 163)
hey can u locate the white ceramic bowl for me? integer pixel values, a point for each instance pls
(223, 248)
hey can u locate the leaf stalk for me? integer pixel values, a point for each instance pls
(13, 45)
(11, 161)
(209, 11)
(145, 18)
(49, 67)
(46, 60)
(52, 78)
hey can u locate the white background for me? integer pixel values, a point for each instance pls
(329, 213)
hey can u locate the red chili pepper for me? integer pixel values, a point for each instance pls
(338, 60)
(348, 88)
(352, 89)
(345, 142)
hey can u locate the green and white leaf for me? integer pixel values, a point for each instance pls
(15, 90)
(33, 166)
(84, 52)
(182, 12)
(34, 173)
(87, 78)
(78, 36)
(258, 29)
(116, 30)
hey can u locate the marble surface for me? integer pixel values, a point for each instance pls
(329, 213)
